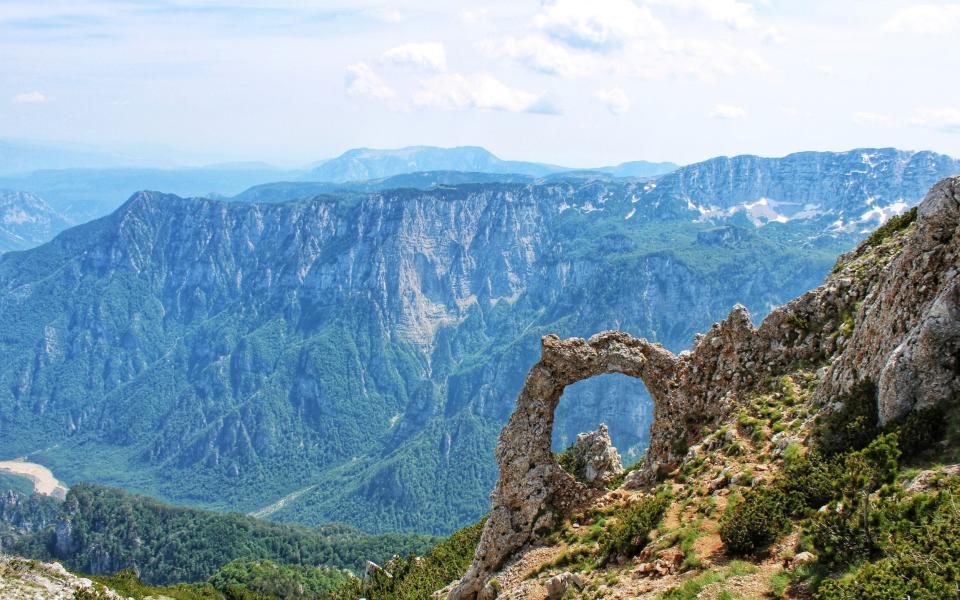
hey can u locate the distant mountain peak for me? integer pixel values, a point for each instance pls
(363, 164)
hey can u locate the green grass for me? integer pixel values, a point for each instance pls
(129, 585)
(779, 582)
(690, 589)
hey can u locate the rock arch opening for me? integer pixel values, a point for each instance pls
(533, 492)
(621, 402)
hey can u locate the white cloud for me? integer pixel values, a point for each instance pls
(33, 97)
(733, 13)
(479, 92)
(428, 55)
(614, 99)
(869, 118)
(543, 55)
(478, 15)
(362, 81)
(599, 25)
(946, 120)
(727, 111)
(572, 38)
(661, 58)
(925, 19)
(775, 36)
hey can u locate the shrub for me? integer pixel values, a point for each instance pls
(919, 540)
(851, 427)
(628, 534)
(921, 430)
(416, 578)
(895, 224)
(751, 525)
(850, 532)
(809, 481)
(565, 460)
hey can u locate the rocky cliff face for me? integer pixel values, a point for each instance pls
(352, 357)
(902, 304)
(877, 183)
(22, 579)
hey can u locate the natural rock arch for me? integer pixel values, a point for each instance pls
(689, 391)
(533, 491)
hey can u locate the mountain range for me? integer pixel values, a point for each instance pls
(83, 186)
(352, 356)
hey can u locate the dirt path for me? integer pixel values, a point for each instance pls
(44, 482)
(266, 511)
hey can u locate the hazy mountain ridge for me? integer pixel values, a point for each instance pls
(362, 164)
(27, 221)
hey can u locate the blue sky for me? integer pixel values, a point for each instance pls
(563, 81)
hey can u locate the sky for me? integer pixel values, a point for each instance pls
(571, 82)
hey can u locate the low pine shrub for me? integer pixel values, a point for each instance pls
(628, 534)
(751, 525)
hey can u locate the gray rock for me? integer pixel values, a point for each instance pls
(595, 459)
(558, 585)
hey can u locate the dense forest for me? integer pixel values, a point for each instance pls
(101, 530)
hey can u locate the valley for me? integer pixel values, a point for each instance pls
(353, 357)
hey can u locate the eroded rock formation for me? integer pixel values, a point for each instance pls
(888, 313)
(595, 460)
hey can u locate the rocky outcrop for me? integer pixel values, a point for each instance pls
(907, 333)
(594, 460)
(900, 294)
(22, 579)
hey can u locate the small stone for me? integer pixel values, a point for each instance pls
(801, 558)
(558, 585)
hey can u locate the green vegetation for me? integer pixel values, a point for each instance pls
(268, 578)
(16, 483)
(112, 530)
(748, 527)
(690, 589)
(853, 426)
(631, 528)
(895, 225)
(238, 580)
(22, 516)
(127, 583)
(416, 578)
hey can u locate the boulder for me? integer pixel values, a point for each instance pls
(558, 585)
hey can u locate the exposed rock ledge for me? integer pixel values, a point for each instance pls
(902, 295)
